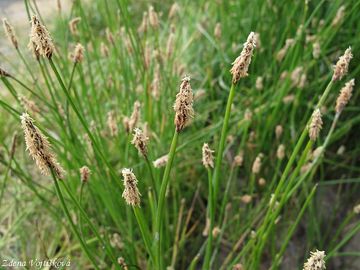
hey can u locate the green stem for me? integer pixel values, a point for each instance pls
(153, 182)
(212, 218)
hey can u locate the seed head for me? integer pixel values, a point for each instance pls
(241, 64)
(140, 141)
(9, 30)
(131, 193)
(170, 45)
(153, 18)
(155, 85)
(39, 148)
(104, 50)
(144, 23)
(207, 156)
(280, 153)
(239, 159)
(73, 26)
(40, 39)
(84, 174)
(28, 105)
(3, 73)
(315, 125)
(217, 31)
(281, 54)
(339, 16)
(183, 105)
(78, 53)
(135, 116)
(356, 209)
(257, 164)
(174, 9)
(316, 261)
(259, 85)
(342, 65)
(112, 124)
(109, 36)
(316, 50)
(161, 161)
(345, 95)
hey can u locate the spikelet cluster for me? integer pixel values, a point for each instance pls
(155, 84)
(256, 167)
(316, 261)
(153, 18)
(84, 174)
(73, 26)
(183, 105)
(339, 16)
(281, 54)
(78, 53)
(40, 39)
(280, 153)
(28, 105)
(9, 30)
(342, 65)
(112, 124)
(140, 141)
(315, 125)
(207, 156)
(39, 148)
(241, 64)
(161, 161)
(131, 193)
(174, 9)
(345, 95)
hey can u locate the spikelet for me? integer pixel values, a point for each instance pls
(248, 115)
(161, 161)
(78, 53)
(256, 167)
(280, 153)
(238, 266)
(9, 30)
(3, 73)
(342, 65)
(207, 156)
(104, 50)
(174, 10)
(281, 54)
(144, 23)
(84, 174)
(356, 209)
(40, 39)
(112, 124)
(39, 148)
(183, 105)
(239, 159)
(153, 18)
(140, 141)
(147, 55)
(131, 193)
(135, 116)
(58, 4)
(339, 16)
(316, 50)
(315, 125)
(279, 131)
(73, 26)
(28, 105)
(259, 85)
(122, 263)
(246, 198)
(216, 231)
(316, 261)
(155, 84)
(262, 182)
(109, 36)
(217, 31)
(170, 45)
(345, 95)
(241, 64)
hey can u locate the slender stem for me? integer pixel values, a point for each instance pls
(212, 218)
(160, 208)
(153, 181)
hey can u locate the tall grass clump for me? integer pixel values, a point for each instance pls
(182, 135)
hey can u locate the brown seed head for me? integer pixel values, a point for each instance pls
(131, 193)
(217, 31)
(183, 105)
(257, 164)
(280, 153)
(174, 10)
(161, 161)
(342, 65)
(316, 261)
(28, 105)
(78, 53)
(153, 18)
(170, 45)
(239, 159)
(39, 148)
(281, 54)
(207, 156)
(135, 116)
(140, 141)
(84, 174)
(109, 36)
(155, 85)
(345, 95)
(144, 23)
(40, 39)
(73, 26)
(9, 30)
(112, 124)
(104, 50)
(241, 64)
(315, 125)
(339, 16)
(3, 73)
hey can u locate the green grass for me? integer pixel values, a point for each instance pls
(312, 209)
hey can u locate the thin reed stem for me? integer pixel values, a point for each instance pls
(212, 219)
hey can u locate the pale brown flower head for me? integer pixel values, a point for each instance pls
(183, 105)
(339, 16)
(316, 50)
(174, 10)
(109, 36)
(262, 182)
(28, 105)
(356, 209)
(207, 156)
(39, 148)
(207, 227)
(342, 65)
(112, 123)
(104, 50)
(256, 167)
(216, 231)
(241, 64)
(147, 55)
(238, 266)
(78, 53)
(248, 115)
(9, 30)
(73, 26)
(345, 95)
(279, 131)
(135, 116)
(155, 84)
(84, 174)
(122, 263)
(280, 153)
(131, 193)
(281, 54)
(315, 125)
(259, 85)
(40, 39)
(153, 18)
(217, 31)
(170, 45)
(246, 198)
(3, 73)
(144, 23)
(161, 161)
(316, 261)
(140, 141)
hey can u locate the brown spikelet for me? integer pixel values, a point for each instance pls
(279, 131)
(280, 153)
(13, 145)
(315, 125)
(170, 45)
(339, 16)
(9, 30)
(281, 54)
(78, 53)
(342, 65)
(3, 73)
(217, 31)
(174, 10)
(84, 174)
(104, 50)
(112, 124)
(144, 23)
(131, 193)
(140, 141)
(155, 85)
(122, 263)
(345, 95)
(153, 18)
(39, 148)
(135, 116)
(161, 161)
(241, 64)
(207, 156)
(73, 26)
(109, 36)
(183, 105)
(40, 39)
(316, 261)
(256, 167)
(28, 105)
